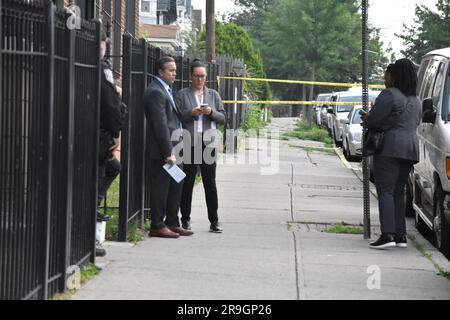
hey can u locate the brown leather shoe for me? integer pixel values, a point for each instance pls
(163, 233)
(181, 231)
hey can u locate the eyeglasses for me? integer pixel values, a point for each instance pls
(199, 76)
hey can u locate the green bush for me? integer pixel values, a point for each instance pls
(314, 133)
(255, 118)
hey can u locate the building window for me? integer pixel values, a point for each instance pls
(145, 6)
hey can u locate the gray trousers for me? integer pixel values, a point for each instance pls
(391, 175)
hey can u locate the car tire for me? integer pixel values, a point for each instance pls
(440, 224)
(336, 142)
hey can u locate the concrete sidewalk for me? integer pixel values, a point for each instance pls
(273, 246)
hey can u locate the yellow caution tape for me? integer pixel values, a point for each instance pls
(317, 83)
(329, 103)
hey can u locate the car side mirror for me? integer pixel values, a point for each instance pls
(428, 113)
(330, 110)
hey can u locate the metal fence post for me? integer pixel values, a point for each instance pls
(144, 121)
(48, 153)
(125, 140)
(365, 48)
(98, 37)
(70, 157)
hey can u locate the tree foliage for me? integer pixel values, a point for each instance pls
(234, 41)
(318, 40)
(429, 32)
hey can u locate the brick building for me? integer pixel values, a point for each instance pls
(119, 17)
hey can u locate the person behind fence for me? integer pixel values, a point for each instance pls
(163, 121)
(397, 113)
(202, 110)
(112, 119)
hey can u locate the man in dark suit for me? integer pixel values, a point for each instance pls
(163, 120)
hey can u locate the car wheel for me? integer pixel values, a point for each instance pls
(409, 210)
(440, 224)
(336, 142)
(344, 151)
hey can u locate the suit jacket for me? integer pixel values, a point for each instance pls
(186, 101)
(398, 116)
(163, 118)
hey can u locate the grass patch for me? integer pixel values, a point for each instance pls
(135, 233)
(343, 228)
(429, 256)
(322, 150)
(314, 133)
(88, 272)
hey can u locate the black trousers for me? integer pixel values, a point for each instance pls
(165, 195)
(391, 175)
(108, 172)
(208, 172)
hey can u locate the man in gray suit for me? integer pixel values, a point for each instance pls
(202, 111)
(163, 119)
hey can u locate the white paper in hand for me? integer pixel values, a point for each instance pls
(175, 172)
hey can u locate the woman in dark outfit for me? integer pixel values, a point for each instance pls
(396, 112)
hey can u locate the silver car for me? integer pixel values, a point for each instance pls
(340, 113)
(321, 109)
(352, 135)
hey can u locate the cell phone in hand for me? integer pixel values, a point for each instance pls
(204, 105)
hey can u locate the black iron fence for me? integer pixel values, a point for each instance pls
(49, 120)
(138, 70)
(49, 95)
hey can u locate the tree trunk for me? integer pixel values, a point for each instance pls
(210, 31)
(310, 109)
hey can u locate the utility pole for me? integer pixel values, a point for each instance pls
(210, 31)
(365, 95)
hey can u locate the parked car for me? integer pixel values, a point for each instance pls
(321, 108)
(339, 113)
(428, 189)
(352, 135)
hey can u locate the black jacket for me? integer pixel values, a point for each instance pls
(398, 116)
(163, 118)
(111, 114)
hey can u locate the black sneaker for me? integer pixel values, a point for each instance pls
(385, 241)
(100, 252)
(186, 225)
(102, 217)
(401, 241)
(215, 227)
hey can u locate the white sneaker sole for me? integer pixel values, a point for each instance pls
(384, 246)
(401, 245)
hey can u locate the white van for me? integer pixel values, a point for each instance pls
(429, 184)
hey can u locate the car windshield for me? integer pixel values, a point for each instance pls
(347, 108)
(356, 117)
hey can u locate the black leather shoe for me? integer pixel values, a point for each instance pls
(100, 252)
(401, 241)
(385, 241)
(215, 227)
(102, 217)
(186, 225)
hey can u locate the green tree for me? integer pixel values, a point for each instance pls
(311, 39)
(429, 32)
(234, 41)
(318, 40)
